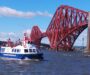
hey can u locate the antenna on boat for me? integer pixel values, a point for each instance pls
(25, 39)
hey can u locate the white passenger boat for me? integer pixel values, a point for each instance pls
(27, 51)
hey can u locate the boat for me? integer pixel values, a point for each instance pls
(21, 51)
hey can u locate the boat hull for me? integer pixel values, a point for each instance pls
(22, 56)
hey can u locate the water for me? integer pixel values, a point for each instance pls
(54, 63)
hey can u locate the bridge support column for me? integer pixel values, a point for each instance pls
(87, 50)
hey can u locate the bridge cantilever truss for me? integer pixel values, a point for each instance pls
(64, 28)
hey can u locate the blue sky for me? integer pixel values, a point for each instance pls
(17, 16)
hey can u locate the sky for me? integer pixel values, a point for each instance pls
(18, 16)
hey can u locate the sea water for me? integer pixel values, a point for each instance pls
(54, 63)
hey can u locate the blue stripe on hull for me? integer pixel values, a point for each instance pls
(22, 56)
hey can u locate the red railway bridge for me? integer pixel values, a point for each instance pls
(64, 28)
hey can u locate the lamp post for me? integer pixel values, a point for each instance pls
(83, 43)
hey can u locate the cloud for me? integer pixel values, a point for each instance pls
(44, 14)
(82, 39)
(6, 11)
(13, 36)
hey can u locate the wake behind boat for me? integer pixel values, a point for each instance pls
(22, 51)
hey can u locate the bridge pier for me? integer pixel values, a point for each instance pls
(87, 50)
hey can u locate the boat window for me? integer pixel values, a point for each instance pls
(18, 50)
(30, 50)
(2, 49)
(12, 50)
(15, 50)
(25, 50)
(34, 50)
